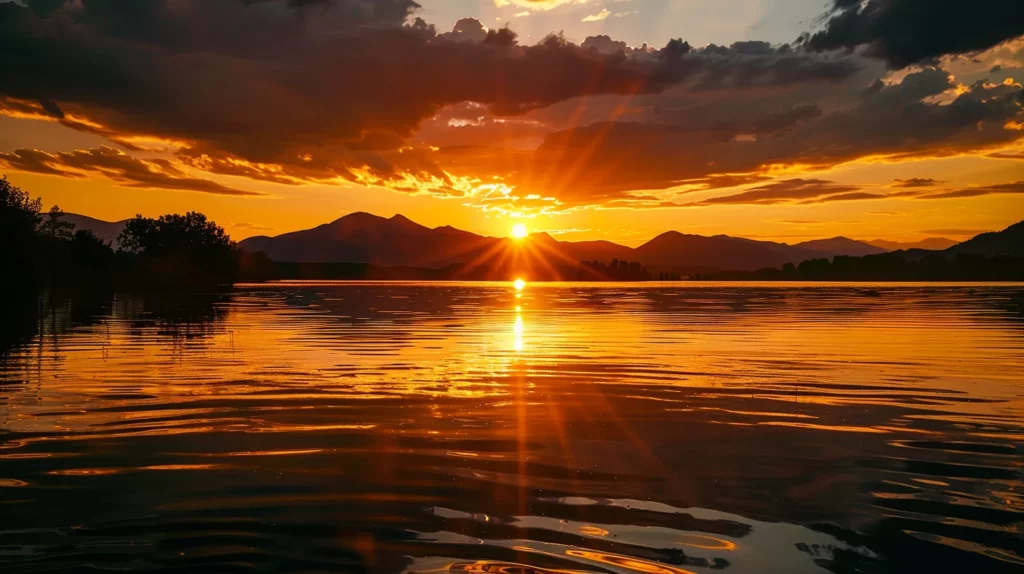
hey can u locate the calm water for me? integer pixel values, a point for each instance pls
(430, 428)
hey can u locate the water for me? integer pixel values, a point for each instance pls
(656, 429)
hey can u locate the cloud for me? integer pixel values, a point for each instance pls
(956, 231)
(1004, 188)
(786, 191)
(335, 91)
(686, 137)
(543, 5)
(117, 166)
(915, 182)
(905, 32)
(252, 227)
(1016, 155)
(597, 17)
(291, 92)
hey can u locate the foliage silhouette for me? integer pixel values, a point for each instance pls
(177, 250)
(615, 271)
(19, 218)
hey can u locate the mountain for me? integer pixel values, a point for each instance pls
(603, 251)
(931, 244)
(841, 246)
(396, 241)
(1006, 243)
(105, 230)
(365, 238)
(695, 253)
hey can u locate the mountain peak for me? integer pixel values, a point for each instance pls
(357, 216)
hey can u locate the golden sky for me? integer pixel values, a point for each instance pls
(276, 116)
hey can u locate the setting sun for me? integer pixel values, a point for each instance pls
(519, 284)
(519, 231)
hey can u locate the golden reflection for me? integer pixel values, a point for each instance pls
(707, 542)
(517, 332)
(629, 563)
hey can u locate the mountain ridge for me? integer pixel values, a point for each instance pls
(397, 241)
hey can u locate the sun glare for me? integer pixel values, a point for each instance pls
(519, 284)
(519, 231)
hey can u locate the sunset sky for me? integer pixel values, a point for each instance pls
(772, 119)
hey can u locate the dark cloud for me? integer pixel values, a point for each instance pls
(329, 89)
(905, 120)
(293, 92)
(810, 191)
(786, 191)
(1004, 188)
(905, 32)
(915, 182)
(116, 165)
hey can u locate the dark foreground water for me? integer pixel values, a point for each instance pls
(462, 428)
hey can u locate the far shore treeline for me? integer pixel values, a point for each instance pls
(887, 267)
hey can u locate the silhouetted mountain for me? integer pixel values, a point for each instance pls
(931, 244)
(1006, 243)
(841, 246)
(597, 250)
(697, 253)
(362, 238)
(105, 230)
(365, 238)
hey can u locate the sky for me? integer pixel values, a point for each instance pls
(786, 120)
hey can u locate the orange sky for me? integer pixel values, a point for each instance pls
(582, 138)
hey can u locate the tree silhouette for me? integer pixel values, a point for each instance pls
(52, 226)
(179, 249)
(19, 217)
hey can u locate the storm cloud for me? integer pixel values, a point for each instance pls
(323, 89)
(293, 92)
(905, 32)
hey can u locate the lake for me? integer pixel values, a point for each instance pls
(417, 427)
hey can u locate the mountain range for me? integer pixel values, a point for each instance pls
(397, 241)
(105, 230)
(363, 238)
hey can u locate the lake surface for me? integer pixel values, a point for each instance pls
(648, 428)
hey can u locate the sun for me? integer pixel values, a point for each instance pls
(519, 284)
(519, 231)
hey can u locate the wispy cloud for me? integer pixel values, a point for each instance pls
(597, 17)
(117, 166)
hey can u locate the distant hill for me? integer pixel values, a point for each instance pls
(697, 253)
(363, 238)
(396, 241)
(931, 244)
(1006, 243)
(841, 246)
(108, 231)
(366, 238)
(597, 251)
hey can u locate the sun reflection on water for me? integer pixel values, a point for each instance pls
(517, 332)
